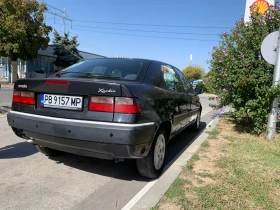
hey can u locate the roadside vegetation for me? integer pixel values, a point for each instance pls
(193, 72)
(240, 76)
(232, 170)
(65, 50)
(22, 24)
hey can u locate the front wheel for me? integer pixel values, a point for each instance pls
(152, 165)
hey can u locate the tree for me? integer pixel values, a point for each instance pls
(66, 50)
(193, 72)
(22, 29)
(240, 75)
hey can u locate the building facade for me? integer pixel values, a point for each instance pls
(42, 67)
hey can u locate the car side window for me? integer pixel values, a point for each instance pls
(170, 78)
(185, 82)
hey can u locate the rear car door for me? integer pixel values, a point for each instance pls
(194, 105)
(179, 104)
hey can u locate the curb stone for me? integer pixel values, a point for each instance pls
(155, 193)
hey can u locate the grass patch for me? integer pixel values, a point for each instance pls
(244, 171)
(214, 133)
(205, 144)
(176, 190)
(195, 157)
(190, 163)
(206, 175)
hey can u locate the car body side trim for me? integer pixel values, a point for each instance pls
(81, 121)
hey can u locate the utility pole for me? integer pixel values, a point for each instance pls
(272, 118)
(64, 15)
(59, 13)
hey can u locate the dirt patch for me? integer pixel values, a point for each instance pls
(169, 206)
(204, 169)
(200, 174)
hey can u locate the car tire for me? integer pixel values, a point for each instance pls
(152, 165)
(48, 151)
(196, 126)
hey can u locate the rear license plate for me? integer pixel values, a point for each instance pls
(61, 101)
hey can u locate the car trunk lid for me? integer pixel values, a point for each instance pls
(77, 91)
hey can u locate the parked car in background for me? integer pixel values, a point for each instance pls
(107, 108)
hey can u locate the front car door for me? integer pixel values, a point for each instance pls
(174, 86)
(194, 105)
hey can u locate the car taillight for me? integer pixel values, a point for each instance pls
(27, 98)
(120, 105)
(127, 105)
(16, 96)
(101, 104)
(23, 97)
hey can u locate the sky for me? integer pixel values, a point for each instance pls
(164, 30)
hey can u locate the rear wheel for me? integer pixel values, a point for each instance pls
(48, 151)
(152, 165)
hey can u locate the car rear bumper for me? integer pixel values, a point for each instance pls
(90, 138)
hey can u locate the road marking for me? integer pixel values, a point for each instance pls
(209, 124)
(148, 186)
(139, 195)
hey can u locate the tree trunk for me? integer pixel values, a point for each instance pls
(14, 71)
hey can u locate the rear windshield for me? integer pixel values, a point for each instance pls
(112, 69)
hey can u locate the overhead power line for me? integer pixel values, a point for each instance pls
(146, 31)
(180, 3)
(151, 25)
(158, 37)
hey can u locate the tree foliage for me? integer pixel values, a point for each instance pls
(240, 75)
(193, 72)
(22, 29)
(66, 50)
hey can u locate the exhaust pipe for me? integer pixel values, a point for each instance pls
(30, 141)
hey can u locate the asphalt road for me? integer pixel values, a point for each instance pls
(30, 180)
(6, 96)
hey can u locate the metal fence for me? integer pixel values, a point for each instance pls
(4, 69)
(40, 68)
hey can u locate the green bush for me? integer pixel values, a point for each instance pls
(240, 76)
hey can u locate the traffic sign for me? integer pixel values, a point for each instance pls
(268, 48)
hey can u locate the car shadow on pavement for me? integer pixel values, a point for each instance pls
(18, 150)
(180, 143)
(126, 170)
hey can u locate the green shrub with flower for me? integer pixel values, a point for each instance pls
(240, 76)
